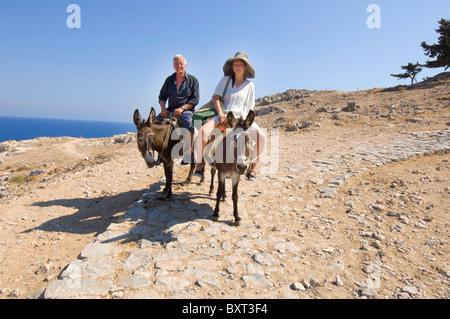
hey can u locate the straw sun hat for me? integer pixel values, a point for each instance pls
(228, 66)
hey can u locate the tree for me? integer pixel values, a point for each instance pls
(411, 71)
(441, 50)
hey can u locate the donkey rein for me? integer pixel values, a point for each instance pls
(166, 140)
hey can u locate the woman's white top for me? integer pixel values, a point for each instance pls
(239, 100)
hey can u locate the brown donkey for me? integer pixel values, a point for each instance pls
(231, 158)
(155, 136)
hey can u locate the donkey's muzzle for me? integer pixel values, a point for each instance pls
(241, 168)
(150, 160)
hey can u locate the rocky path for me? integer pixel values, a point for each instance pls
(306, 230)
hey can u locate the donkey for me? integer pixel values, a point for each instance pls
(231, 159)
(155, 136)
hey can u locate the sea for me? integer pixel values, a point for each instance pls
(23, 128)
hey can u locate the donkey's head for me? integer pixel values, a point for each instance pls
(241, 140)
(146, 137)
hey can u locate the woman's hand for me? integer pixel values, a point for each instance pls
(222, 118)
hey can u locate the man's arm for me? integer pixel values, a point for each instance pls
(163, 95)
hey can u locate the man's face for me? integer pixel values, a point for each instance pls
(179, 64)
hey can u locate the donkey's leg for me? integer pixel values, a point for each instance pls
(211, 186)
(191, 172)
(220, 187)
(224, 193)
(168, 171)
(235, 180)
(222, 197)
(202, 179)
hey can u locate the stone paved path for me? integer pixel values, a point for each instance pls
(173, 249)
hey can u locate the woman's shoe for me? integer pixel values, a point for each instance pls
(251, 175)
(199, 170)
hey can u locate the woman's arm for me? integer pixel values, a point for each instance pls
(216, 103)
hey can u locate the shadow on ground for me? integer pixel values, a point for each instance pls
(153, 216)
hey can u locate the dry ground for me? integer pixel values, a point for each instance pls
(46, 220)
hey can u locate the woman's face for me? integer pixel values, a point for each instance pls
(239, 67)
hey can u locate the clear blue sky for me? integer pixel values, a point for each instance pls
(119, 58)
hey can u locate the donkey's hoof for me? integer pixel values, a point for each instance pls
(186, 182)
(237, 223)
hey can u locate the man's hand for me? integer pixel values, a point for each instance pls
(164, 113)
(178, 111)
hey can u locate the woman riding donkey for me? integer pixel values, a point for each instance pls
(239, 98)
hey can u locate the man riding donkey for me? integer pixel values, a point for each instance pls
(182, 91)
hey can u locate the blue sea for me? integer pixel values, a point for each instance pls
(21, 128)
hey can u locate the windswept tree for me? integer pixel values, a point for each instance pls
(411, 71)
(441, 50)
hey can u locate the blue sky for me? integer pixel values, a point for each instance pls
(119, 58)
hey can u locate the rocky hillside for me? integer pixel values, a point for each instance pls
(299, 109)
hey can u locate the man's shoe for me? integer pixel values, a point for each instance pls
(187, 163)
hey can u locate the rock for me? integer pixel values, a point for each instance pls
(327, 192)
(270, 110)
(69, 289)
(256, 280)
(379, 207)
(368, 269)
(95, 249)
(368, 292)
(36, 172)
(298, 286)
(169, 265)
(376, 244)
(351, 107)
(445, 272)
(338, 281)
(16, 293)
(138, 258)
(264, 259)
(306, 284)
(208, 282)
(134, 281)
(44, 269)
(97, 267)
(337, 267)
(315, 282)
(124, 138)
(170, 255)
(410, 290)
(170, 283)
(37, 294)
(253, 268)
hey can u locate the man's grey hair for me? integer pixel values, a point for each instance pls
(179, 56)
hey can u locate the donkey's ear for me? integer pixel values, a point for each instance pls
(137, 118)
(249, 120)
(151, 117)
(231, 119)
